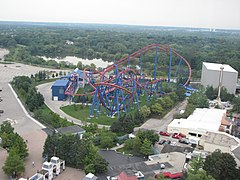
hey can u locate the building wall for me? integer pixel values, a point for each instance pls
(211, 78)
(212, 147)
(186, 131)
(59, 92)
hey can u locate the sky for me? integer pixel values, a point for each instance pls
(224, 14)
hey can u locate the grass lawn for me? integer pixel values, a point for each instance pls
(83, 114)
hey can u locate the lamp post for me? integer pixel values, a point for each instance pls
(220, 85)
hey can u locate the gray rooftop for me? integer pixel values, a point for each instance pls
(70, 130)
(130, 165)
(236, 152)
(222, 139)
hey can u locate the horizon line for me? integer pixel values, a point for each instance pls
(121, 24)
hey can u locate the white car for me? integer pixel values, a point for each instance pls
(173, 143)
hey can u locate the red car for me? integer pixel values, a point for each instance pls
(164, 133)
(178, 135)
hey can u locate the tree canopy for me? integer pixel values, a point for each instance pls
(221, 166)
(13, 165)
(78, 153)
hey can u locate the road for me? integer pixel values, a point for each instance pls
(161, 124)
(21, 122)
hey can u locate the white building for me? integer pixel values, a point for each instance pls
(211, 74)
(199, 123)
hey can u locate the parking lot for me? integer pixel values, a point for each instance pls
(22, 123)
(171, 141)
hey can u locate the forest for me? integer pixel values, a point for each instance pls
(27, 42)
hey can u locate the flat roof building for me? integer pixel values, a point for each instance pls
(212, 141)
(58, 89)
(211, 74)
(199, 123)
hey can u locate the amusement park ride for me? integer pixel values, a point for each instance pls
(118, 87)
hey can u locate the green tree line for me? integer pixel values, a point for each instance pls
(112, 43)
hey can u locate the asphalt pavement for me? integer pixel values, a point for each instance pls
(23, 124)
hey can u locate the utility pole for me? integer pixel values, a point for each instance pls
(220, 85)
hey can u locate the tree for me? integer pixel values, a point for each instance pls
(199, 175)
(12, 140)
(128, 144)
(138, 118)
(20, 146)
(221, 166)
(181, 93)
(137, 144)
(145, 111)
(89, 169)
(173, 96)
(146, 148)
(211, 93)
(14, 165)
(157, 109)
(199, 100)
(236, 104)
(100, 164)
(166, 102)
(196, 172)
(6, 128)
(148, 134)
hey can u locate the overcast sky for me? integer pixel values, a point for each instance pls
(183, 13)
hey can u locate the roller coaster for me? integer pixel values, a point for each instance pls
(119, 86)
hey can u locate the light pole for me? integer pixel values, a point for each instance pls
(220, 85)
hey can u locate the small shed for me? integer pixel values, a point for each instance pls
(75, 130)
(58, 90)
(90, 176)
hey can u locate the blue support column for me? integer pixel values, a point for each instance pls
(170, 66)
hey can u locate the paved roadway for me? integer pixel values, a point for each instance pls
(161, 124)
(22, 123)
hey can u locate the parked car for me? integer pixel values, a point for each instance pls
(178, 136)
(167, 142)
(173, 143)
(162, 142)
(164, 133)
(182, 135)
(184, 141)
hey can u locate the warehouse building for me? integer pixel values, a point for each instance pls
(211, 76)
(58, 90)
(200, 122)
